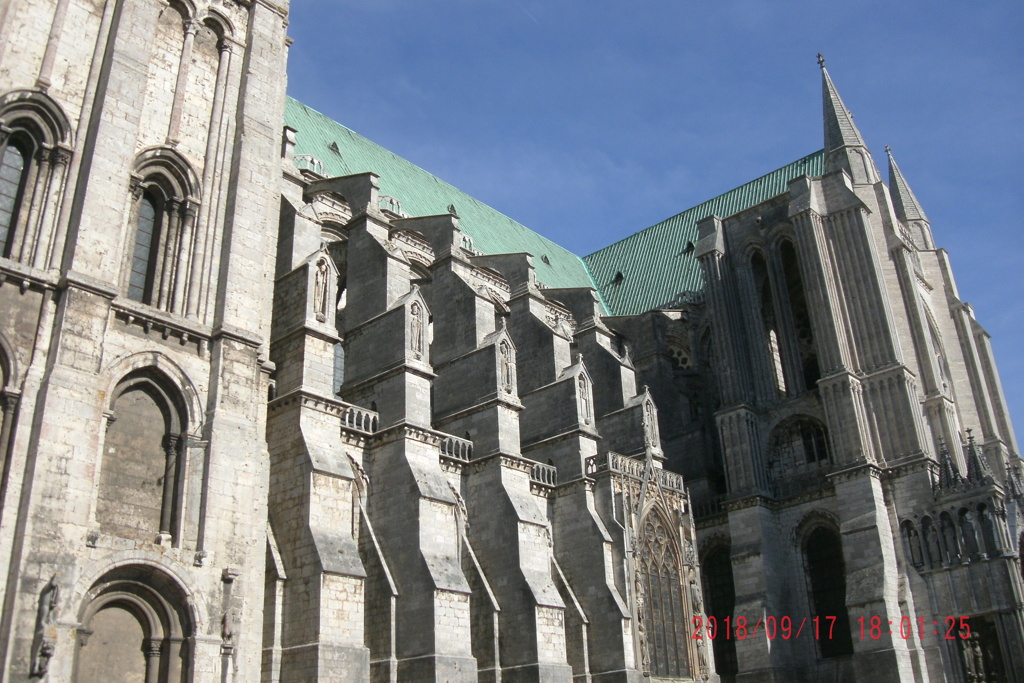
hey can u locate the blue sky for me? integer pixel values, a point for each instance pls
(589, 120)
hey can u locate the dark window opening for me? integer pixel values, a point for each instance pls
(144, 252)
(766, 302)
(826, 573)
(721, 602)
(13, 176)
(801, 316)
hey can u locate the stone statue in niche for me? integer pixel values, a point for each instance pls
(227, 627)
(45, 640)
(641, 622)
(320, 290)
(695, 599)
(416, 329)
(650, 424)
(584, 399)
(507, 365)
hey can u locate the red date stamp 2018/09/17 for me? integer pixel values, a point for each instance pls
(822, 627)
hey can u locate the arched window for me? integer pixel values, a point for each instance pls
(14, 158)
(766, 303)
(801, 315)
(797, 446)
(720, 592)
(144, 253)
(826, 575)
(162, 242)
(140, 476)
(663, 624)
(35, 148)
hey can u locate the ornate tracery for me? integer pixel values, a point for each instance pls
(663, 620)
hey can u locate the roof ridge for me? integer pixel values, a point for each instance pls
(706, 201)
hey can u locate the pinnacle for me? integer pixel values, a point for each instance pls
(906, 204)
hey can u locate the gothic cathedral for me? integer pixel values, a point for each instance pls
(280, 406)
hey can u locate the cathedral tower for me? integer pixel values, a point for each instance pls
(138, 142)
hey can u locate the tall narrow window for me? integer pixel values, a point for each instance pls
(769, 319)
(13, 173)
(826, 573)
(661, 612)
(721, 603)
(801, 316)
(147, 241)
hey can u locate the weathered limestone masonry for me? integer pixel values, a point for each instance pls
(456, 438)
(135, 281)
(260, 424)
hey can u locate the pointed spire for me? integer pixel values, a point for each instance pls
(844, 146)
(903, 199)
(840, 130)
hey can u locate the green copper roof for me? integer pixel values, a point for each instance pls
(423, 194)
(657, 264)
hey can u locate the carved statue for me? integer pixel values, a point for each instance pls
(650, 424)
(641, 622)
(416, 329)
(507, 365)
(44, 642)
(695, 599)
(584, 400)
(227, 627)
(320, 290)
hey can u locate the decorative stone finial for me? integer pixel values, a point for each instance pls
(821, 60)
(888, 150)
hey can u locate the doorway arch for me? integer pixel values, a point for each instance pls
(135, 628)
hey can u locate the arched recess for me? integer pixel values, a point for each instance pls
(35, 149)
(165, 200)
(135, 626)
(825, 573)
(797, 445)
(803, 332)
(720, 602)
(663, 618)
(141, 477)
(765, 303)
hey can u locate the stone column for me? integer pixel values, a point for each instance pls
(182, 83)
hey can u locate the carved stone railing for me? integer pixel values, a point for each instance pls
(454, 448)
(388, 203)
(308, 162)
(415, 241)
(709, 508)
(544, 475)
(359, 419)
(631, 467)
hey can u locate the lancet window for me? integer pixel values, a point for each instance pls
(660, 600)
(34, 156)
(13, 178)
(826, 576)
(162, 221)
